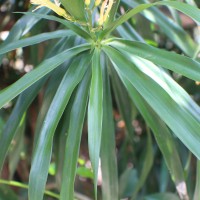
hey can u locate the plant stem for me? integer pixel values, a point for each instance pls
(25, 186)
(49, 193)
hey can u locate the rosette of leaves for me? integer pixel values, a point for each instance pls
(98, 51)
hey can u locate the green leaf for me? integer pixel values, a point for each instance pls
(73, 27)
(25, 99)
(76, 8)
(197, 188)
(162, 196)
(4, 48)
(42, 154)
(73, 139)
(112, 26)
(95, 115)
(156, 88)
(108, 154)
(170, 28)
(50, 91)
(53, 82)
(162, 135)
(189, 10)
(128, 32)
(44, 68)
(178, 93)
(175, 62)
(60, 138)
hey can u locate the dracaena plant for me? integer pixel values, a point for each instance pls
(99, 51)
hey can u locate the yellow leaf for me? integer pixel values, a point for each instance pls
(47, 3)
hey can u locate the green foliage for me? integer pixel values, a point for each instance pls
(90, 69)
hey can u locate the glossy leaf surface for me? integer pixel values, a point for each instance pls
(34, 40)
(74, 137)
(95, 115)
(165, 102)
(177, 63)
(42, 154)
(33, 76)
(108, 152)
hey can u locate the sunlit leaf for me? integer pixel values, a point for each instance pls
(175, 62)
(189, 10)
(165, 101)
(168, 27)
(162, 135)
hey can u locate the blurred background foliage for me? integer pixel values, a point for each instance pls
(131, 148)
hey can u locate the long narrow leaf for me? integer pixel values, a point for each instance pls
(170, 28)
(128, 32)
(44, 68)
(167, 103)
(168, 84)
(34, 40)
(73, 139)
(175, 62)
(24, 101)
(162, 135)
(123, 19)
(189, 10)
(42, 155)
(60, 138)
(50, 91)
(53, 82)
(108, 153)
(95, 115)
(76, 29)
